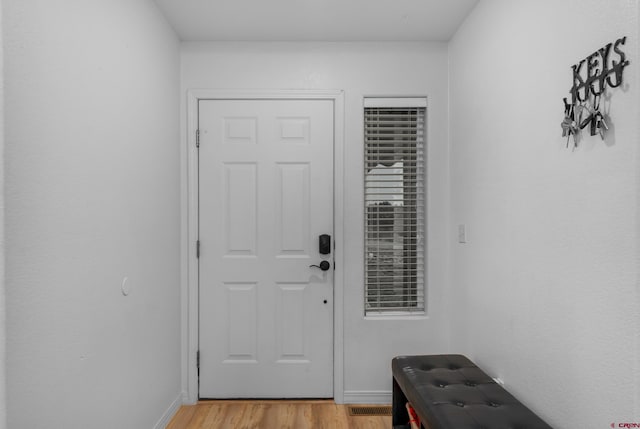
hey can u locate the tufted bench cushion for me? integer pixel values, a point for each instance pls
(450, 391)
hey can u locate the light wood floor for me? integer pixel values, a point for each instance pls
(272, 415)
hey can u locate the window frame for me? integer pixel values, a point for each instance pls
(417, 307)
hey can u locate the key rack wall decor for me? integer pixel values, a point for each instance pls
(591, 78)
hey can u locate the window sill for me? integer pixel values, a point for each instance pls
(396, 316)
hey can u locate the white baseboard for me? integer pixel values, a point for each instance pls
(367, 397)
(168, 415)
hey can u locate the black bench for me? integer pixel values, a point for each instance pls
(450, 391)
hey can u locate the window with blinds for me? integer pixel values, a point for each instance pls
(394, 186)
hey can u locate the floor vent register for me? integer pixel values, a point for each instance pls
(355, 410)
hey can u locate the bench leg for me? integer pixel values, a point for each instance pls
(398, 409)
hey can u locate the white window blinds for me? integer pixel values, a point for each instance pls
(394, 206)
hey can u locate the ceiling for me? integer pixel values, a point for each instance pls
(316, 20)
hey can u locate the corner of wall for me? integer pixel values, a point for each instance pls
(636, 67)
(3, 321)
(448, 299)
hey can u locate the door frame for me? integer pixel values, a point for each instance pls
(190, 222)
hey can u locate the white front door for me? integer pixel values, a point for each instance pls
(266, 195)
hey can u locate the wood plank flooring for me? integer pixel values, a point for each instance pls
(237, 414)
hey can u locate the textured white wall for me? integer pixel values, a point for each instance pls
(360, 69)
(92, 196)
(546, 290)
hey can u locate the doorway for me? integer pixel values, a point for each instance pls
(267, 321)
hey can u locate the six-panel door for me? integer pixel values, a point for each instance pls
(266, 195)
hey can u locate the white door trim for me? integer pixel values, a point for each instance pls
(190, 224)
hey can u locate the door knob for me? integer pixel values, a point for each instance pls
(324, 265)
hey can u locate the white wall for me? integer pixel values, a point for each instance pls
(360, 69)
(92, 197)
(546, 290)
(3, 320)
